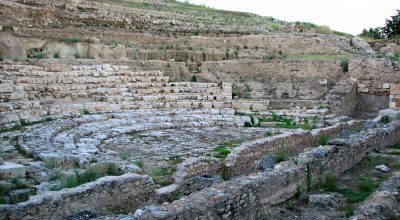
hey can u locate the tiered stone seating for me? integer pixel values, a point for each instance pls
(30, 93)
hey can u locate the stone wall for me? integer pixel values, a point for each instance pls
(106, 194)
(280, 79)
(251, 197)
(268, 105)
(241, 159)
(374, 76)
(342, 99)
(395, 96)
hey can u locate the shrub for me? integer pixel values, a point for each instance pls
(193, 79)
(345, 65)
(57, 55)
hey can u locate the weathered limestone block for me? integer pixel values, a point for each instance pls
(12, 170)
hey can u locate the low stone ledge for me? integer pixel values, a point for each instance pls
(122, 194)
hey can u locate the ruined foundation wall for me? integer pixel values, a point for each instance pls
(374, 76)
(251, 197)
(241, 159)
(263, 79)
(108, 193)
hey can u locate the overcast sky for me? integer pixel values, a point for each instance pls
(349, 16)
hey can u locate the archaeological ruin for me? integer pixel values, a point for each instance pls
(131, 109)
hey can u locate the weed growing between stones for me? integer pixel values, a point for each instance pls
(3, 191)
(79, 178)
(329, 182)
(324, 140)
(287, 123)
(365, 186)
(280, 157)
(19, 183)
(309, 177)
(139, 163)
(222, 152)
(162, 176)
(175, 159)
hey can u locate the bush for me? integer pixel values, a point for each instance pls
(345, 65)
(193, 79)
(324, 140)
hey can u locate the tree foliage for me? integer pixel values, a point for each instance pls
(392, 27)
(375, 33)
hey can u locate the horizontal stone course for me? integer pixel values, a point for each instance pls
(108, 193)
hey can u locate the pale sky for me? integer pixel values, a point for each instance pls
(349, 16)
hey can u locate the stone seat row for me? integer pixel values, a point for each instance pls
(34, 112)
(83, 73)
(159, 97)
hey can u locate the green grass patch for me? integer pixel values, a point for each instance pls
(365, 187)
(156, 172)
(20, 183)
(89, 175)
(175, 159)
(140, 163)
(222, 152)
(280, 157)
(330, 182)
(49, 164)
(324, 140)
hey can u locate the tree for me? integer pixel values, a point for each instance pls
(372, 33)
(392, 27)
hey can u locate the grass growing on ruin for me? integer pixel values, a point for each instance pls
(324, 140)
(363, 188)
(222, 152)
(288, 123)
(280, 157)
(89, 175)
(162, 175)
(175, 159)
